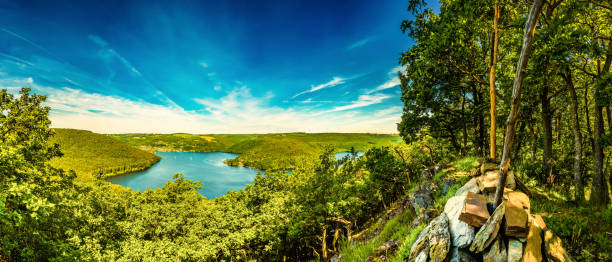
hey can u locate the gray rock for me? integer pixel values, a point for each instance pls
(515, 250)
(422, 257)
(439, 239)
(447, 185)
(462, 234)
(420, 246)
(461, 255)
(470, 186)
(421, 200)
(336, 258)
(497, 251)
(488, 232)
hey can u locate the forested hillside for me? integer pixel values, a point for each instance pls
(261, 151)
(90, 154)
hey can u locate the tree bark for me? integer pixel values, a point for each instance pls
(547, 134)
(521, 66)
(534, 138)
(493, 65)
(609, 119)
(599, 194)
(579, 190)
(324, 244)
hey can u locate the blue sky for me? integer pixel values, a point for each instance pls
(208, 66)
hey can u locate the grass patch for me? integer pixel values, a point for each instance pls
(397, 228)
(441, 201)
(467, 163)
(404, 250)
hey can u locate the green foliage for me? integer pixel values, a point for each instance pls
(93, 155)
(404, 250)
(387, 172)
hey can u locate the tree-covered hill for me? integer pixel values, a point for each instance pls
(262, 151)
(88, 154)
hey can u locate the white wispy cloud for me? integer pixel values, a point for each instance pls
(389, 111)
(362, 101)
(334, 82)
(359, 43)
(392, 81)
(107, 53)
(239, 111)
(204, 64)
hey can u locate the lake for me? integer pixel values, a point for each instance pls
(216, 177)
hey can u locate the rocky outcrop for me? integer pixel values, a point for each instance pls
(462, 234)
(488, 232)
(474, 210)
(461, 255)
(510, 233)
(554, 249)
(420, 248)
(421, 199)
(496, 252)
(439, 239)
(515, 250)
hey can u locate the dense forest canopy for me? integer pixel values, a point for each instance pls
(459, 80)
(458, 86)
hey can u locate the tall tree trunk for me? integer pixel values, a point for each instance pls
(478, 121)
(588, 117)
(609, 119)
(493, 65)
(324, 244)
(521, 66)
(465, 135)
(579, 190)
(547, 134)
(599, 194)
(534, 138)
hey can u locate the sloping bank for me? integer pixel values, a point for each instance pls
(460, 225)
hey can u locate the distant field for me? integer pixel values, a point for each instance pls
(263, 151)
(90, 154)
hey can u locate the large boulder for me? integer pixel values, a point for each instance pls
(554, 249)
(420, 248)
(489, 230)
(515, 250)
(462, 234)
(533, 247)
(517, 213)
(470, 186)
(497, 251)
(474, 210)
(439, 239)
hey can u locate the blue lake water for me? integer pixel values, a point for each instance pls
(343, 154)
(216, 177)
